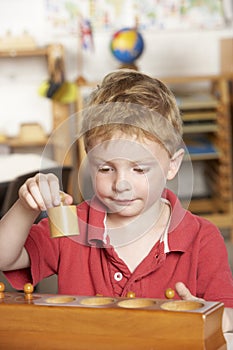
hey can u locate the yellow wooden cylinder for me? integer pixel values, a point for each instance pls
(63, 221)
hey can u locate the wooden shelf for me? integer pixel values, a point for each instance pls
(202, 156)
(16, 142)
(50, 52)
(205, 156)
(198, 116)
(207, 115)
(24, 52)
(199, 128)
(195, 78)
(197, 101)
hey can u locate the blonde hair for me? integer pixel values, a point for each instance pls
(135, 104)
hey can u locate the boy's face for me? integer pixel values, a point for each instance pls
(129, 175)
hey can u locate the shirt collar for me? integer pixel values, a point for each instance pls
(183, 225)
(175, 236)
(96, 235)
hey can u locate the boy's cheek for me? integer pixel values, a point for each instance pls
(102, 185)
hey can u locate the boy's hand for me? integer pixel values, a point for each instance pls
(184, 292)
(227, 321)
(42, 192)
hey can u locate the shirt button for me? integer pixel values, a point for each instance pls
(118, 276)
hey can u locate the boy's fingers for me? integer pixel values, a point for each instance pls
(49, 187)
(55, 192)
(34, 191)
(68, 199)
(42, 192)
(185, 293)
(45, 193)
(65, 198)
(27, 197)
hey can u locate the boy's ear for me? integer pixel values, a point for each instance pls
(175, 163)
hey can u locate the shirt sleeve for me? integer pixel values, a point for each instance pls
(44, 257)
(215, 281)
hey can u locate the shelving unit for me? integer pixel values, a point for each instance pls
(58, 143)
(60, 112)
(49, 52)
(205, 106)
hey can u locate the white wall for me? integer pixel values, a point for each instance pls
(166, 53)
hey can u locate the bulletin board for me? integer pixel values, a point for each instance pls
(63, 16)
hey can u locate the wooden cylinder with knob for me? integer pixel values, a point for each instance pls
(130, 294)
(63, 220)
(2, 290)
(28, 290)
(169, 293)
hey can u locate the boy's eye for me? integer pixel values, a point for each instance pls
(105, 169)
(140, 170)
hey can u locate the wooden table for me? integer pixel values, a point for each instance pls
(16, 164)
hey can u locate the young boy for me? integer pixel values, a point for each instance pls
(134, 233)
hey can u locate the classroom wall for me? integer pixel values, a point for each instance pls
(191, 52)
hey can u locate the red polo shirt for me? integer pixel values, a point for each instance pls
(195, 254)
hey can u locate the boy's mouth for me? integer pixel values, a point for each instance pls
(123, 201)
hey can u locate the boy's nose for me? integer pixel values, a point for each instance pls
(122, 185)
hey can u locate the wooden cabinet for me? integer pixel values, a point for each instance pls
(59, 144)
(50, 52)
(64, 133)
(205, 106)
(60, 111)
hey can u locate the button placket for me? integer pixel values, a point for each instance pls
(118, 276)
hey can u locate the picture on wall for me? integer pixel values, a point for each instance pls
(64, 16)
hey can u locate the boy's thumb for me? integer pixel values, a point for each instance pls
(183, 291)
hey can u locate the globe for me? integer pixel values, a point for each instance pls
(127, 45)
